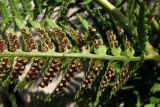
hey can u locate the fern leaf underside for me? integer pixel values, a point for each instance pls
(49, 48)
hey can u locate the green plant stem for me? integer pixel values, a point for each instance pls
(106, 4)
(76, 55)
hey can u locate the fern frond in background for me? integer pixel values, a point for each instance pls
(46, 44)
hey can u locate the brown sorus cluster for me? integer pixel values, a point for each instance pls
(96, 39)
(112, 39)
(18, 68)
(52, 71)
(13, 42)
(107, 77)
(2, 45)
(35, 68)
(61, 36)
(74, 66)
(121, 77)
(127, 44)
(91, 75)
(29, 41)
(46, 42)
(79, 39)
(4, 65)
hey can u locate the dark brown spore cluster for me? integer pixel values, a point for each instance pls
(35, 68)
(52, 71)
(112, 39)
(13, 42)
(127, 44)
(96, 39)
(121, 78)
(28, 40)
(107, 77)
(4, 65)
(74, 66)
(2, 45)
(46, 41)
(91, 75)
(18, 68)
(63, 43)
(79, 39)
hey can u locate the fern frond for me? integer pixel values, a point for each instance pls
(50, 47)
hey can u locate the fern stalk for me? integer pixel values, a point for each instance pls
(75, 55)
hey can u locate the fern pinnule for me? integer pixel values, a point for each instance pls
(112, 39)
(5, 64)
(120, 80)
(45, 40)
(95, 66)
(61, 39)
(106, 78)
(18, 68)
(36, 66)
(96, 38)
(127, 44)
(14, 43)
(59, 36)
(79, 39)
(2, 45)
(74, 66)
(28, 40)
(51, 72)
(128, 49)
(113, 43)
